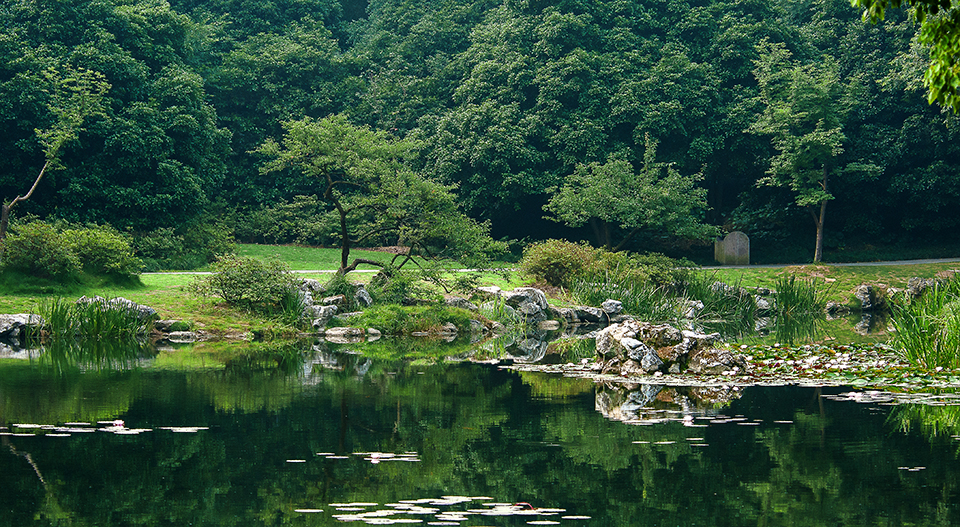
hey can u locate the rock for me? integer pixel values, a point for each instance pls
(714, 361)
(143, 312)
(660, 335)
(590, 314)
(867, 297)
(336, 300)
(549, 325)
(344, 332)
(917, 286)
(11, 326)
(763, 305)
(476, 327)
(362, 297)
(611, 307)
(690, 308)
(448, 328)
(321, 315)
(373, 332)
(489, 291)
(462, 303)
(181, 337)
(651, 361)
(311, 285)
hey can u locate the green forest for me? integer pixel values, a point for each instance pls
(634, 124)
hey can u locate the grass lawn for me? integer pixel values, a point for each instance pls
(842, 280)
(308, 258)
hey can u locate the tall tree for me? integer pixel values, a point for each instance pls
(363, 176)
(805, 106)
(74, 95)
(613, 195)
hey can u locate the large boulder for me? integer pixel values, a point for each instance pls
(12, 326)
(632, 347)
(867, 296)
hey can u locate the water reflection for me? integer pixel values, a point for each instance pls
(482, 446)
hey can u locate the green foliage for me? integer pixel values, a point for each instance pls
(101, 319)
(103, 251)
(927, 329)
(562, 263)
(556, 262)
(376, 197)
(302, 221)
(613, 194)
(395, 286)
(185, 248)
(404, 320)
(248, 283)
(40, 248)
(939, 33)
(797, 296)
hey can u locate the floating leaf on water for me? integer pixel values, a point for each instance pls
(665, 442)
(543, 522)
(699, 444)
(184, 429)
(59, 435)
(575, 517)
(442, 523)
(307, 511)
(350, 509)
(784, 422)
(481, 498)
(26, 425)
(77, 424)
(296, 461)
(326, 454)
(694, 439)
(338, 457)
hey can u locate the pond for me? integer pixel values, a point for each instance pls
(345, 439)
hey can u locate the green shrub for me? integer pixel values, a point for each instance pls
(393, 286)
(557, 262)
(187, 248)
(302, 221)
(263, 286)
(103, 251)
(39, 248)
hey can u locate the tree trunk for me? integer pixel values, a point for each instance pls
(5, 213)
(818, 252)
(818, 221)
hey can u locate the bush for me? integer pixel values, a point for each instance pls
(39, 248)
(103, 251)
(302, 221)
(263, 286)
(557, 262)
(188, 248)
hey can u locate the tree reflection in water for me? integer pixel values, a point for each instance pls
(679, 456)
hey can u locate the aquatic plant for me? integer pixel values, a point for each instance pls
(798, 295)
(639, 296)
(100, 319)
(927, 329)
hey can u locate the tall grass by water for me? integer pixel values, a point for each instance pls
(927, 329)
(95, 320)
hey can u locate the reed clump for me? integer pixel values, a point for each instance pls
(927, 328)
(100, 319)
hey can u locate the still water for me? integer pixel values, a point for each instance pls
(342, 439)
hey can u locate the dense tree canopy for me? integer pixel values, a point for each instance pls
(502, 100)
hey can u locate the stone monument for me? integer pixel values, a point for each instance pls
(734, 249)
